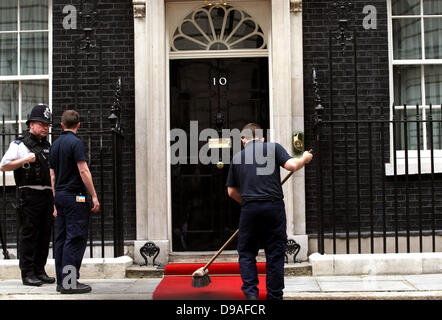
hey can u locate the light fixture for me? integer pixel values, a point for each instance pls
(216, 3)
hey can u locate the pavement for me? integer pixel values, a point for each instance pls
(371, 287)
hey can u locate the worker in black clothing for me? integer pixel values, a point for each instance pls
(28, 156)
(71, 179)
(254, 182)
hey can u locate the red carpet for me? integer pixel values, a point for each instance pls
(226, 282)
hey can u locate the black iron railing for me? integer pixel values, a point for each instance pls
(375, 176)
(102, 147)
(376, 179)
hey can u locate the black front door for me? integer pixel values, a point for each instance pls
(217, 94)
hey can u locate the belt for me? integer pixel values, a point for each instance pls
(261, 200)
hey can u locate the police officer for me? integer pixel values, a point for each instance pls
(254, 182)
(71, 179)
(28, 156)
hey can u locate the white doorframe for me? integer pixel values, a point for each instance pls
(152, 111)
(175, 12)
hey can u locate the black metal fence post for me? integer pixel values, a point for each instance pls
(395, 180)
(3, 236)
(18, 202)
(319, 109)
(433, 207)
(117, 134)
(4, 247)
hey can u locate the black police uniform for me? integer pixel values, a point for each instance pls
(72, 209)
(36, 204)
(263, 220)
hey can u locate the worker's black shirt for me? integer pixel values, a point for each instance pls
(65, 153)
(255, 171)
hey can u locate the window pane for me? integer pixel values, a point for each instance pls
(202, 20)
(33, 92)
(433, 84)
(8, 54)
(34, 15)
(432, 6)
(245, 28)
(405, 7)
(186, 44)
(8, 99)
(233, 19)
(255, 41)
(8, 15)
(407, 85)
(217, 15)
(34, 53)
(437, 130)
(407, 39)
(189, 29)
(433, 41)
(411, 137)
(11, 132)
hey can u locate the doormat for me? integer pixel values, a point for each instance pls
(225, 282)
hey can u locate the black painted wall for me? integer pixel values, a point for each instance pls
(76, 84)
(114, 28)
(356, 200)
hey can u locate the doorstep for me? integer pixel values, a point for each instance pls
(290, 270)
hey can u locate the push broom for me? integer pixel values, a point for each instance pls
(200, 278)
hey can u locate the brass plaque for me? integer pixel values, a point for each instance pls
(215, 143)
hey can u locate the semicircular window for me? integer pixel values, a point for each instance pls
(218, 28)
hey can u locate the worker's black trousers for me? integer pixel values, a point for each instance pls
(71, 236)
(35, 230)
(262, 225)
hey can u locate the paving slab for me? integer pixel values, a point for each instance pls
(361, 278)
(425, 282)
(107, 287)
(302, 284)
(43, 289)
(365, 285)
(102, 289)
(87, 296)
(425, 286)
(139, 287)
(370, 295)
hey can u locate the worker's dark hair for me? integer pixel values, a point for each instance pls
(252, 131)
(70, 119)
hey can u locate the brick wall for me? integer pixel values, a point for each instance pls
(77, 80)
(354, 201)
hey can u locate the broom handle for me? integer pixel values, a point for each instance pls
(237, 231)
(222, 248)
(287, 177)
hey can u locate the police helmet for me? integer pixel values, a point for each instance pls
(40, 112)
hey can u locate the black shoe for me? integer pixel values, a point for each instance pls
(45, 278)
(58, 288)
(31, 281)
(81, 288)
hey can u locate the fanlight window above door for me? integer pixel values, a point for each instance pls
(218, 28)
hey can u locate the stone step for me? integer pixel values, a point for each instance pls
(204, 257)
(135, 271)
(303, 269)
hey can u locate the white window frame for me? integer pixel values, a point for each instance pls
(9, 177)
(425, 155)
